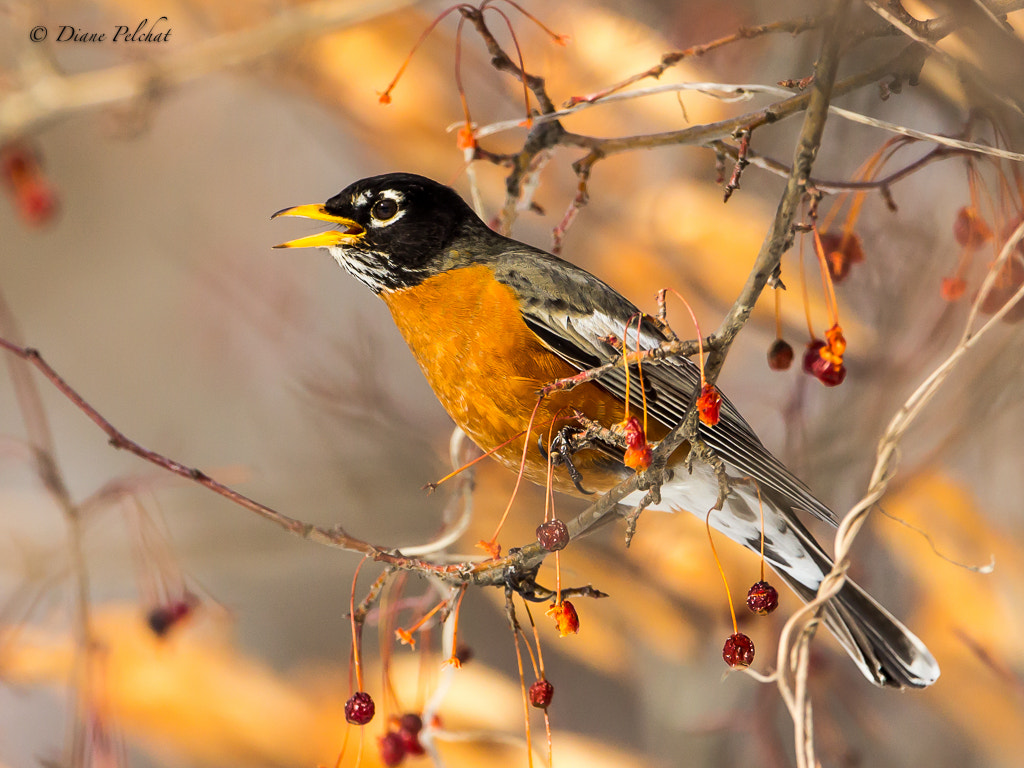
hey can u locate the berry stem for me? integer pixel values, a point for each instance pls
(386, 94)
(522, 470)
(514, 624)
(468, 464)
(721, 570)
(405, 634)
(803, 291)
(778, 313)
(700, 338)
(539, 667)
(455, 625)
(760, 506)
(625, 363)
(355, 632)
(826, 279)
(640, 372)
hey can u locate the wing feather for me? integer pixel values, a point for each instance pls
(576, 327)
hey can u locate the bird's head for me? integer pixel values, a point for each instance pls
(391, 231)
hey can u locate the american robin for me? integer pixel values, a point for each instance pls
(491, 321)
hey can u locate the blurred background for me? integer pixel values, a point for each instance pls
(141, 266)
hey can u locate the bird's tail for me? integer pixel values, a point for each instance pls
(886, 651)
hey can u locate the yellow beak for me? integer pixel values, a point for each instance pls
(350, 232)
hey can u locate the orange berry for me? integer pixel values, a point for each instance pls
(952, 288)
(566, 618)
(709, 405)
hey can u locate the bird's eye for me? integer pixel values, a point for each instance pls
(384, 209)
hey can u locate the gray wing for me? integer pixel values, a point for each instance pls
(587, 311)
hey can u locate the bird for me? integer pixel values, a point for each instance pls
(492, 321)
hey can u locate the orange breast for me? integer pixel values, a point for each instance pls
(486, 367)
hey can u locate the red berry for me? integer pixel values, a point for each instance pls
(738, 651)
(553, 535)
(780, 355)
(411, 743)
(541, 693)
(392, 752)
(359, 708)
(410, 722)
(762, 598)
(832, 375)
(827, 373)
(409, 727)
(811, 355)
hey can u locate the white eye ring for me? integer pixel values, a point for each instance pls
(384, 209)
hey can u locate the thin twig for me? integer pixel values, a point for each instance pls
(795, 638)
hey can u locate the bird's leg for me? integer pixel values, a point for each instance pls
(567, 442)
(525, 583)
(703, 452)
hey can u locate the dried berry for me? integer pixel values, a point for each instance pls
(762, 598)
(953, 288)
(835, 345)
(638, 450)
(553, 535)
(1007, 283)
(780, 355)
(392, 752)
(842, 250)
(541, 693)
(465, 139)
(709, 405)
(828, 373)
(738, 651)
(566, 618)
(359, 708)
(969, 229)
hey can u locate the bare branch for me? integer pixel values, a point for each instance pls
(52, 96)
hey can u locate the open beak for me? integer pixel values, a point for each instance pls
(348, 232)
